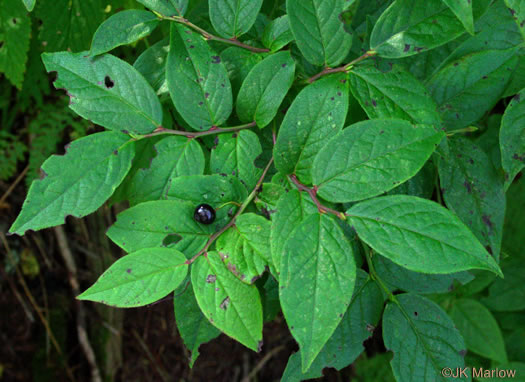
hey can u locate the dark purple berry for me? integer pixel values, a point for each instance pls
(204, 213)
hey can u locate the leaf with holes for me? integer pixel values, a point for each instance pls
(423, 339)
(123, 28)
(317, 279)
(419, 235)
(317, 114)
(235, 154)
(77, 183)
(319, 31)
(512, 138)
(139, 278)
(371, 157)
(197, 80)
(264, 89)
(233, 18)
(104, 90)
(160, 223)
(245, 247)
(229, 304)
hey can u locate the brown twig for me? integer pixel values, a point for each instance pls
(158, 367)
(209, 36)
(262, 362)
(83, 339)
(312, 192)
(343, 68)
(195, 134)
(13, 185)
(241, 209)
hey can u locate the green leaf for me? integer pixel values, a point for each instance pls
(76, 183)
(231, 305)
(372, 157)
(473, 190)
(479, 329)
(123, 28)
(266, 200)
(245, 247)
(316, 283)
(346, 343)
(193, 326)
(419, 235)
(152, 65)
(517, 10)
(167, 7)
(292, 208)
(69, 24)
(15, 30)
(407, 28)
(235, 154)
(264, 89)
(423, 339)
(139, 278)
(197, 80)
(508, 295)
(415, 282)
(463, 11)
(210, 189)
(30, 4)
(233, 18)
(239, 62)
(422, 184)
(394, 94)
(467, 88)
(317, 114)
(318, 31)
(175, 156)
(512, 138)
(105, 90)
(277, 34)
(160, 223)
(496, 30)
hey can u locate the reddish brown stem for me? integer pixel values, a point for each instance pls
(343, 68)
(209, 36)
(312, 192)
(195, 134)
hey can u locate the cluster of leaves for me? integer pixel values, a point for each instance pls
(346, 174)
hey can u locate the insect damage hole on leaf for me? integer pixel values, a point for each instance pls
(108, 82)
